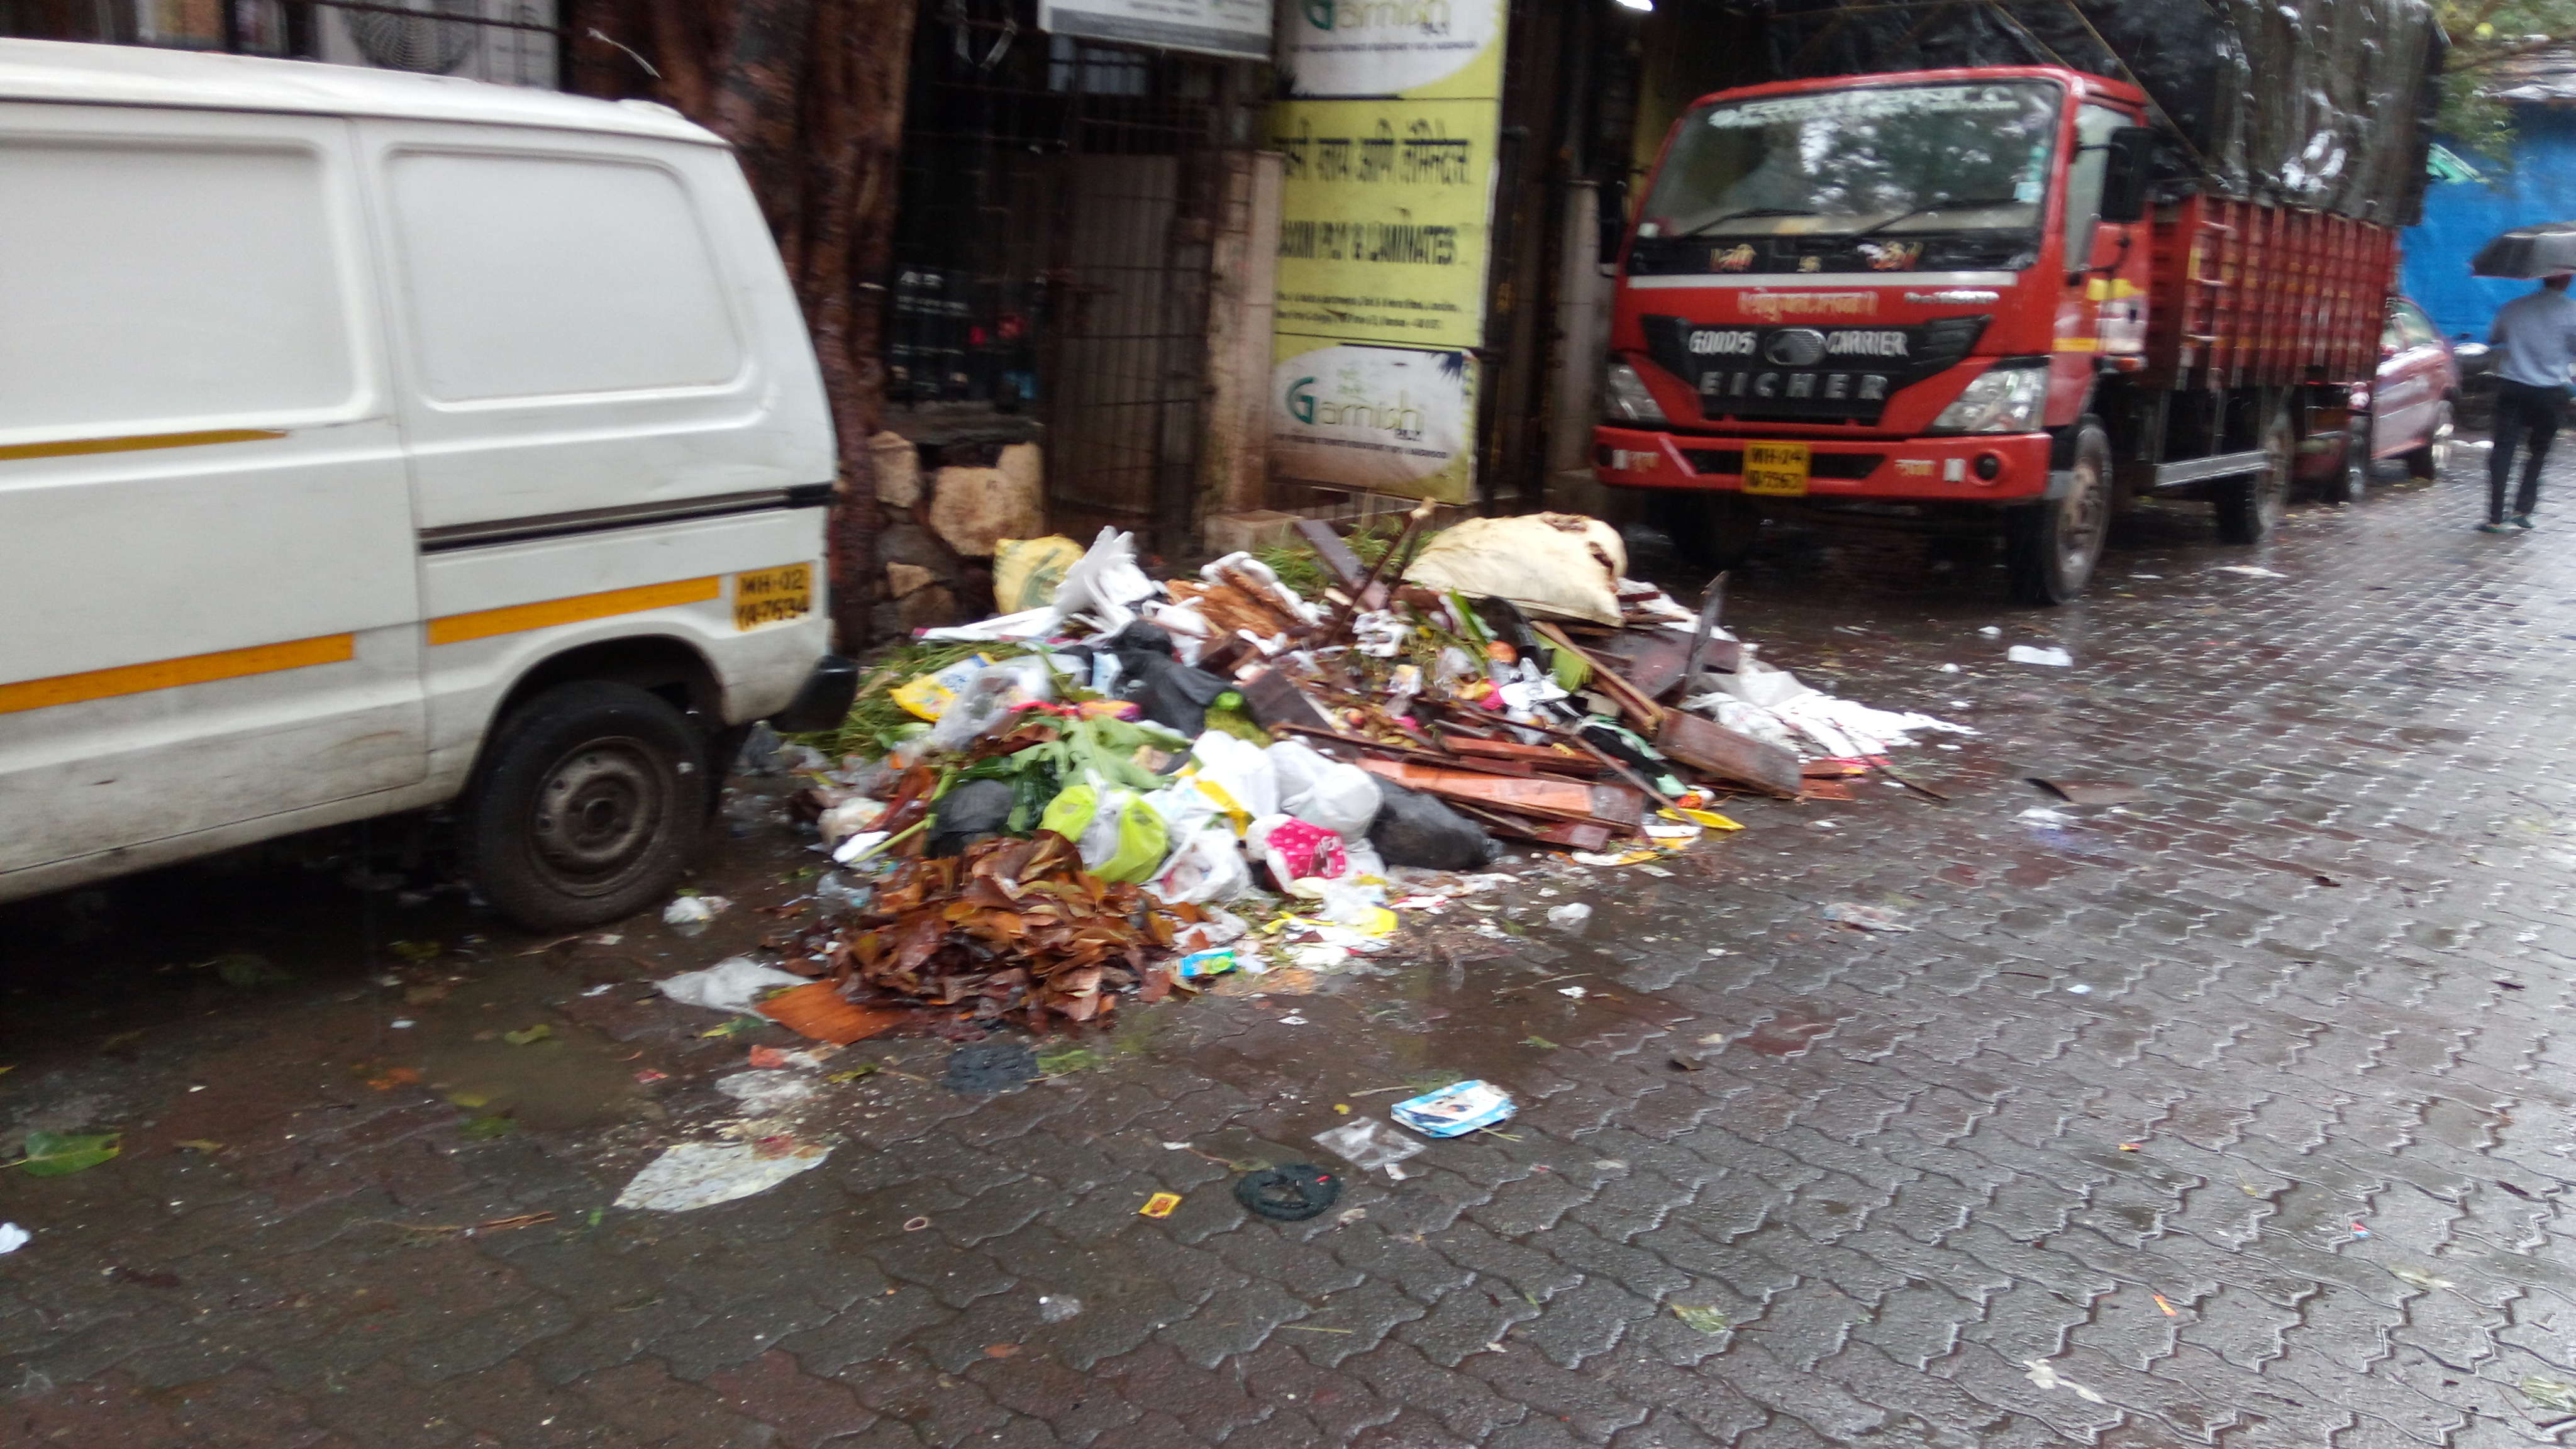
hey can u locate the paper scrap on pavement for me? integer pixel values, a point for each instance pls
(13, 1237)
(702, 1174)
(2051, 656)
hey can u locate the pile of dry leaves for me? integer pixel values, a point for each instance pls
(1010, 928)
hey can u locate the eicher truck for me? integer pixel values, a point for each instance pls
(2006, 267)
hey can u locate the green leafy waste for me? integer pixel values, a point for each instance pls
(875, 723)
(59, 1154)
(1301, 568)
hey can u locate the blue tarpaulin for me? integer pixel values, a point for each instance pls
(2462, 216)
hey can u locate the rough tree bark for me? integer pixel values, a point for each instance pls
(811, 94)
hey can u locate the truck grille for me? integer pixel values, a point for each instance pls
(1804, 374)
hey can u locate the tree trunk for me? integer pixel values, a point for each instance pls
(811, 94)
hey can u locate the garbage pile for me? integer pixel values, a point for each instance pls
(1097, 798)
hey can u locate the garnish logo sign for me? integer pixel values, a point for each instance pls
(1391, 419)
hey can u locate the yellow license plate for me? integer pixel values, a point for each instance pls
(772, 596)
(1778, 469)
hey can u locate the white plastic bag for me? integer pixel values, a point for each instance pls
(1234, 775)
(1549, 563)
(1206, 867)
(732, 984)
(1341, 798)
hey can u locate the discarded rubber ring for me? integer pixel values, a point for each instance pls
(914, 1225)
(1288, 1194)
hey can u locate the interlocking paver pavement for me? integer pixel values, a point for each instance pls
(2239, 1114)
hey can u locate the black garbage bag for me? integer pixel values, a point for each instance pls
(1414, 829)
(969, 813)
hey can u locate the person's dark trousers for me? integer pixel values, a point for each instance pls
(2521, 409)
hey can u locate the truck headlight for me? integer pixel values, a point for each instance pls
(2007, 398)
(1624, 398)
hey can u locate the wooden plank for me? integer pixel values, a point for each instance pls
(1640, 710)
(1340, 562)
(1274, 702)
(1553, 832)
(1537, 757)
(1712, 748)
(1534, 795)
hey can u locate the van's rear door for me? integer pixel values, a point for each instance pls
(209, 606)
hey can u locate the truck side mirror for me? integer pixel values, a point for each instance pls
(2127, 168)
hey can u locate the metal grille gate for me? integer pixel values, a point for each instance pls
(1052, 254)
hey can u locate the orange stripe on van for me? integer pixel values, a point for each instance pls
(172, 673)
(78, 446)
(484, 624)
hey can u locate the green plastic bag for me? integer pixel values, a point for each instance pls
(1069, 813)
(1143, 841)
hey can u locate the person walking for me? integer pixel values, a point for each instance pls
(2535, 341)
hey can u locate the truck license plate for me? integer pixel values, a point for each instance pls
(773, 596)
(1778, 469)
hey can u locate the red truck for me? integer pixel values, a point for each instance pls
(1995, 298)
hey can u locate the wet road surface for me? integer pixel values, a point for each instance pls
(2238, 1113)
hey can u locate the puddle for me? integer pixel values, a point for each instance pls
(572, 1078)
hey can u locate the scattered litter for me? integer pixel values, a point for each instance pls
(2550, 1393)
(701, 1174)
(1369, 1143)
(528, 1036)
(1057, 1307)
(986, 1067)
(1866, 918)
(762, 1091)
(694, 910)
(1683, 1062)
(2251, 571)
(401, 1023)
(2046, 1376)
(1348, 1216)
(2161, 1303)
(1288, 1194)
(13, 1237)
(1577, 992)
(1630, 857)
(2078, 988)
(2418, 1278)
(2051, 655)
(1458, 1108)
(1569, 917)
(734, 984)
(1703, 1318)
(2130, 1146)
(1542, 1043)
(2359, 1231)
(1991, 632)
(1160, 1205)
(2090, 792)
(2042, 815)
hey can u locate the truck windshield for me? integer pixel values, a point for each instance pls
(1881, 160)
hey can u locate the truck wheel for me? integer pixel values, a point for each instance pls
(2051, 549)
(593, 798)
(2250, 508)
(2351, 477)
(2429, 460)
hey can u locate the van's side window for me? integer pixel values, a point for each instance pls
(164, 287)
(536, 276)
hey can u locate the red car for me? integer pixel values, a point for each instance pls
(2409, 413)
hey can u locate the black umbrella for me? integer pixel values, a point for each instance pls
(2529, 252)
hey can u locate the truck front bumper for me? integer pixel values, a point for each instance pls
(1983, 468)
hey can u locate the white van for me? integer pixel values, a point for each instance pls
(370, 441)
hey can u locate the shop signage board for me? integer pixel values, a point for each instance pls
(1240, 29)
(1393, 113)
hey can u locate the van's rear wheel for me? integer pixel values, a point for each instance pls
(594, 795)
(2429, 460)
(2051, 549)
